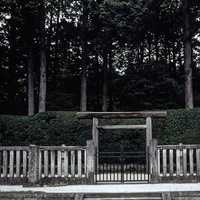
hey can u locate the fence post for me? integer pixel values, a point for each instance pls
(90, 161)
(33, 170)
(153, 161)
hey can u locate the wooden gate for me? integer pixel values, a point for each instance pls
(122, 166)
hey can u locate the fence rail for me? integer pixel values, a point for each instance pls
(36, 162)
(178, 160)
(62, 161)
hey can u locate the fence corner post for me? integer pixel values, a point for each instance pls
(90, 161)
(33, 170)
(153, 161)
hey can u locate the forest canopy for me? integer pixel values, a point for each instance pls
(100, 55)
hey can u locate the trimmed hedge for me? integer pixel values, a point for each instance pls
(56, 128)
(51, 128)
(181, 126)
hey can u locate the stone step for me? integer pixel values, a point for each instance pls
(134, 196)
(131, 198)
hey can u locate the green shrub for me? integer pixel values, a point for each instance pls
(56, 128)
(51, 128)
(182, 126)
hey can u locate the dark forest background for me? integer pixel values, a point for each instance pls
(99, 55)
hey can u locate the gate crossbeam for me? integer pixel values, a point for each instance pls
(121, 115)
(111, 127)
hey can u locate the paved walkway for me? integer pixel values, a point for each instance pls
(109, 188)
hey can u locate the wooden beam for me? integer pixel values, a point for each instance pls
(113, 127)
(95, 131)
(148, 130)
(119, 115)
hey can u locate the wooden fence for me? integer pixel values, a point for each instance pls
(63, 161)
(14, 162)
(33, 163)
(178, 161)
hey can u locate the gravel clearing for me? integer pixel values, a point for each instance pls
(107, 188)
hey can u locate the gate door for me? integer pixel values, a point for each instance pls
(124, 165)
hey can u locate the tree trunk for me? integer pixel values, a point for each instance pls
(111, 102)
(42, 91)
(188, 57)
(43, 87)
(84, 57)
(48, 49)
(12, 81)
(31, 102)
(56, 58)
(83, 91)
(98, 96)
(105, 83)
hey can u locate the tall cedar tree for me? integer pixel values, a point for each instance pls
(28, 34)
(84, 56)
(105, 82)
(188, 56)
(12, 38)
(43, 79)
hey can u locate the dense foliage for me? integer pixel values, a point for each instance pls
(131, 51)
(57, 128)
(46, 128)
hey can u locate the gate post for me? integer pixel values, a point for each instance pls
(95, 134)
(33, 169)
(90, 161)
(154, 178)
(95, 138)
(148, 139)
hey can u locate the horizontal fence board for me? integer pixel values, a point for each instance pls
(62, 148)
(14, 148)
(182, 146)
